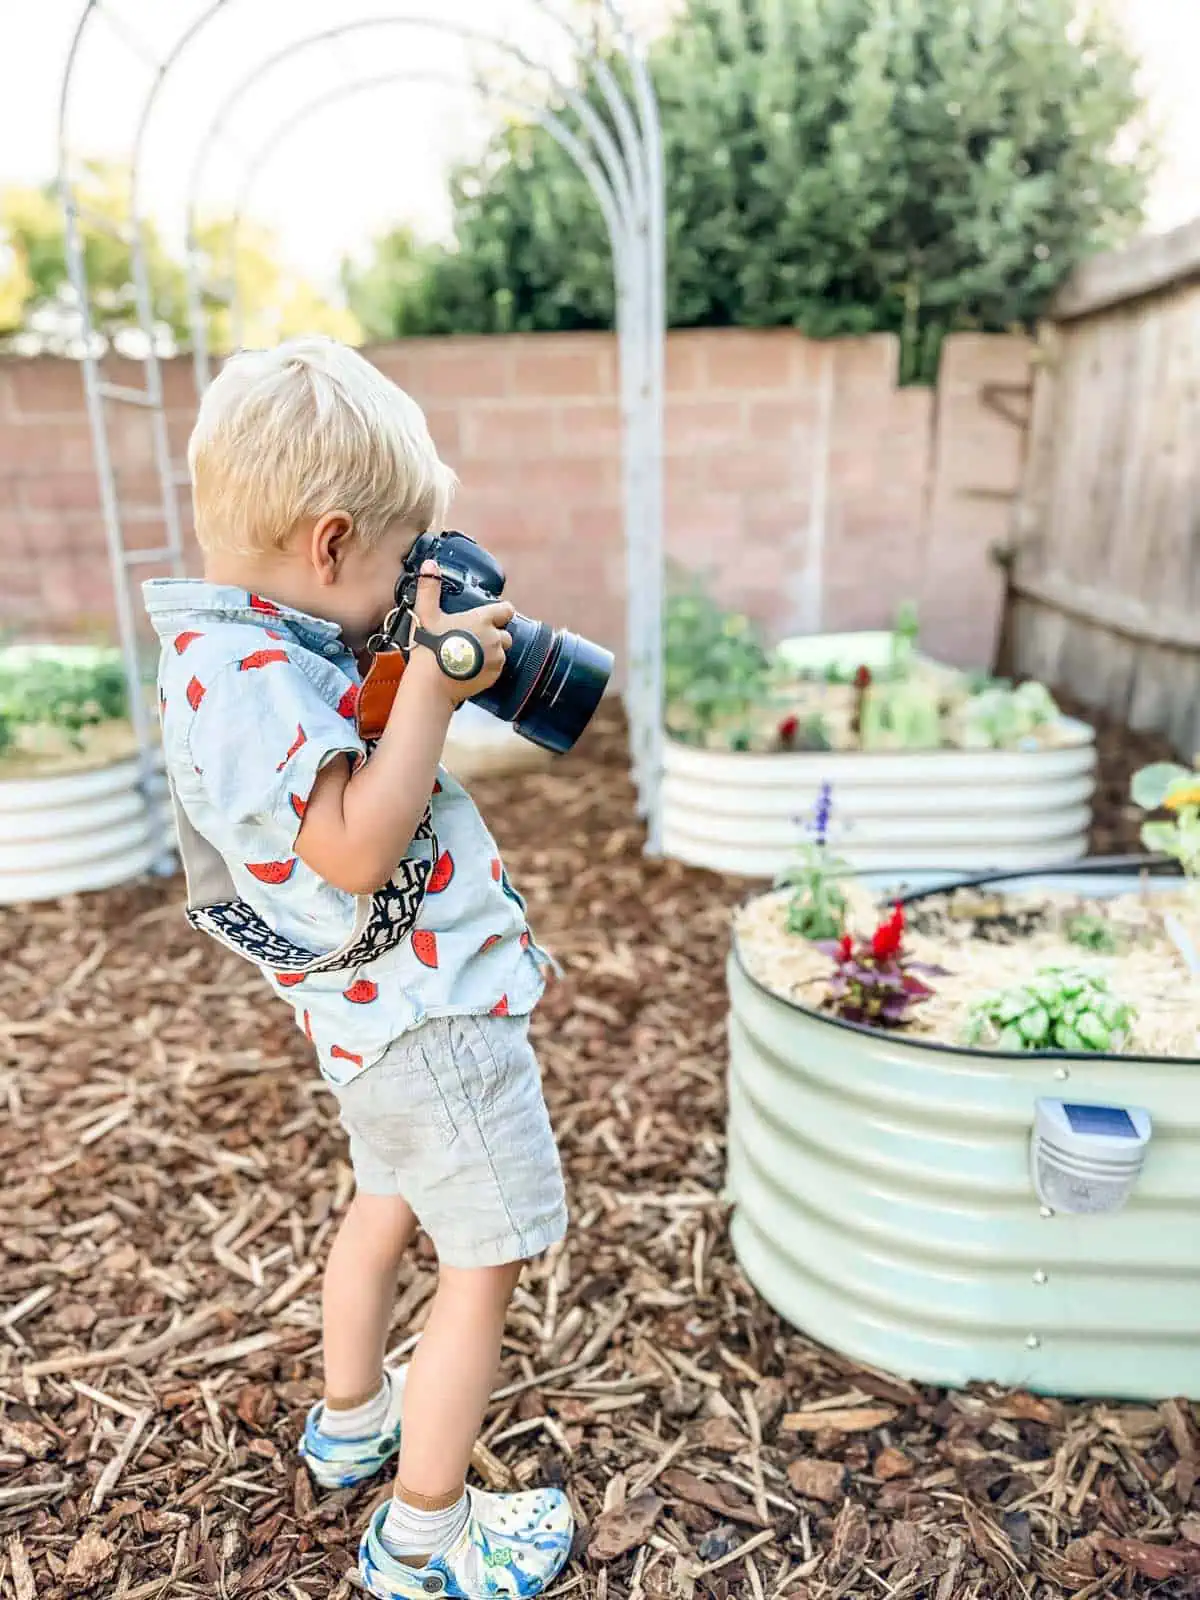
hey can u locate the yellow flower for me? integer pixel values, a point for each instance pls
(1184, 797)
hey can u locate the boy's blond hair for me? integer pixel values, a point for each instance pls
(304, 429)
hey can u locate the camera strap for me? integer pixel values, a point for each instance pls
(458, 653)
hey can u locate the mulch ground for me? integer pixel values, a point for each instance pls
(173, 1172)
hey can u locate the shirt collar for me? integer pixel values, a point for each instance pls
(172, 602)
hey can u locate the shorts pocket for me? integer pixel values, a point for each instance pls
(408, 1099)
(489, 1055)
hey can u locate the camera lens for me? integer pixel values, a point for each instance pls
(551, 685)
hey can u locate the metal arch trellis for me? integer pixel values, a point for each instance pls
(621, 160)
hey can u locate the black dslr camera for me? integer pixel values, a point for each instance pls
(552, 681)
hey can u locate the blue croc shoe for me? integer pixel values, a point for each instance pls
(339, 1463)
(512, 1545)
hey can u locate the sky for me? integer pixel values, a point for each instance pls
(354, 164)
(359, 162)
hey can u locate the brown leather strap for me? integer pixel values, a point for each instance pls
(377, 693)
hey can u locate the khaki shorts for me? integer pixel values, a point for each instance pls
(452, 1119)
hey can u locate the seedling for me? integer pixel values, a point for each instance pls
(1175, 789)
(817, 910)
(1060, 1008)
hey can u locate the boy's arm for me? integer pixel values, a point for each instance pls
(358, 825)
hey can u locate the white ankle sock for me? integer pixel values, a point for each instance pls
(409, 1532)
(359, 1422)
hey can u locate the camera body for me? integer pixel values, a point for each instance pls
(552, 681)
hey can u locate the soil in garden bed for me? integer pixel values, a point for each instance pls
(46, 752)
(173, 1173)
(987, 941)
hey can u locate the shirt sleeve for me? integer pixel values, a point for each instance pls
(260, 732)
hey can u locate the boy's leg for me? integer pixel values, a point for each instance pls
(450, 1380)
(359, 1295)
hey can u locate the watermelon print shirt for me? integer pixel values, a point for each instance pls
(255, 699)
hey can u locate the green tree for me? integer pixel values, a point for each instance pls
(842, 166)
(389, 293)
(33, 221)
(35, 291)
(275, 302)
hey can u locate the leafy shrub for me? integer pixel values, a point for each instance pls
(851, 166)
(67, 691)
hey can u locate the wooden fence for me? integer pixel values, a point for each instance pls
(1105, 579)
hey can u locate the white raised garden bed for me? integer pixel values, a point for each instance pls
(74, 813)
(884, 1203)
(743, 812)
(79, 831)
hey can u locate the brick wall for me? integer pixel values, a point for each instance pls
(917, 482)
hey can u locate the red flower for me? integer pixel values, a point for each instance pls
(845, 947)
(788, 729)
(862, 678)
(888, 936)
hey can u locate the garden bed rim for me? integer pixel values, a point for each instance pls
(1160, 865)
(936, 752)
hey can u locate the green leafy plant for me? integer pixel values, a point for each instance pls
(906, 631)
(875, 980)
(810, 734)
(1166, 786)
(852, 166)
(1090, 931)
(715, 668)
(1060, 1008)
(817, 910)
(1000, 717)
(906, 715)
(68, 691)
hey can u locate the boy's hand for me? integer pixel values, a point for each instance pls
(357, 825)
(485, 623)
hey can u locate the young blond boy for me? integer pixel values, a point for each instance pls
(365, 885)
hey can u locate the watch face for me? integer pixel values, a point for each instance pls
(459, 655)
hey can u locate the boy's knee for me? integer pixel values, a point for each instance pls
(383, 1222)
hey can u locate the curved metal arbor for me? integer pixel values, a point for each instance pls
(620, 156)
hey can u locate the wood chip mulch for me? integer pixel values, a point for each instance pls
(172, 1175)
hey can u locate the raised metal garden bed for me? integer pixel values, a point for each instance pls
(75, 814)
(927, 770)
(884, 1202)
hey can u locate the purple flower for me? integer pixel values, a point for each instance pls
(819, 824)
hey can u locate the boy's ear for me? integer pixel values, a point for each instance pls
(328, 543)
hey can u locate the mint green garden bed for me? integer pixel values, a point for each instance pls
(882, 1190)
